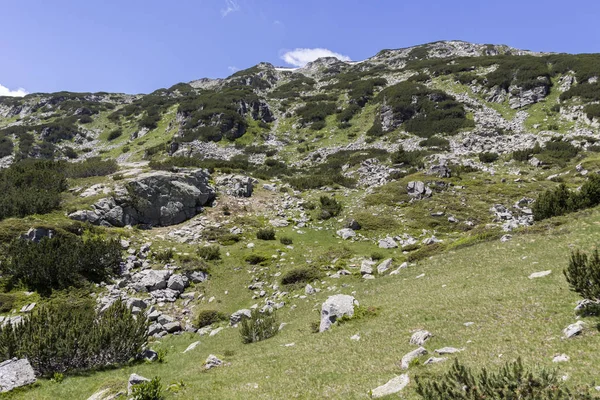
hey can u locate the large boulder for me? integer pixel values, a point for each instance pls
(335, 307)
(15, 373)
(158, 198)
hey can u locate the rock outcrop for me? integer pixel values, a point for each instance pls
(335, 307)
(153, 199)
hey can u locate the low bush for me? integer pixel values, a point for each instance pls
(285, 240)
(163, 256)
(266, 234)
(254, 259)
(91, 167)
(7, 302)
(66, 260)
(412, 158)
(70, 336)
(209, 253)
(301, 275)
(560, 201)
(259, 326)
(30, 187)
(329, 207)
(488, 157)
(435, 141)
(511, 381)
(151, 390)
(117, 133)
(209, 317)
(583, 274)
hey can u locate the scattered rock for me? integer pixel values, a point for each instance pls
(574, 329)
(540, 274)
(448, 350)
(15, 373)
(366, 267)
(352, 224)
(309, 289)
(408, 357)
(149, 355)
(561, 358)
(135, 379)
(394, 385)
(356, 337)
(237, 316)
(192, 346)
(335, 307)
(420, 337)
(388, 243)
(435, 360)
(236, 185)
(418, 190)
(346, 233)
(212, 361)
(506, 238)
(384, 266)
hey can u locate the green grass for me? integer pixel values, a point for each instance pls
(486, 284)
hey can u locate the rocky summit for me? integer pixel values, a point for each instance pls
(345, 229)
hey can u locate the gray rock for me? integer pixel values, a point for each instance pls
(157, 198)
(191, 347)
(172, 327)
(505, 238)
(37, 234)
(15, 373)
(346, 233)
(335, 307)
(155, 329)
(408, 357)
(352, 224)
(237, 316)
(393, 386)
(197, 276)
(212, 361)
(215, 331)
(177, 283)
(434, 360)
(448, 350)
(561, 358)
(149, 355)
(384, 266)
(574, 329)
(135, 379)
(418, 190)
(540, 274)
(308, 289)
(366, 267)
(431, 240)
(420, 337)
(236, 185)
(388, 243)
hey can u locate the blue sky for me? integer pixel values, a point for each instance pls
(137, 46)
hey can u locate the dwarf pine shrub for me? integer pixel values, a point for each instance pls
(583, 274)
(63, 337)
(151, 390)
(259, 326)
(511, 381)
(266, 234)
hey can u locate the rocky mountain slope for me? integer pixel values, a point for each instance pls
(393, 195)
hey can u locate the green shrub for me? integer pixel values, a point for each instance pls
(583, 274)
(6, 146)
(558, 151)
(301, 275)
(7, 302)
(163, 256)
(560, 201)
(412, 158)
(254, 259)
(151, 390)
(329, 207)
(266, 234)
(435, 141)
(285, 240)
(117, 133)
(259, 326)
(511, 381)
(93, 166)
(30, 187)
(60, 262)
(376, 256)
(209, 317)
(66, 336)
(488, 157)
(209, 253)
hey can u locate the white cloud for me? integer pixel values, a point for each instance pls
(301, 57)
(233, 69)
(232, 6)
(20, 92)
